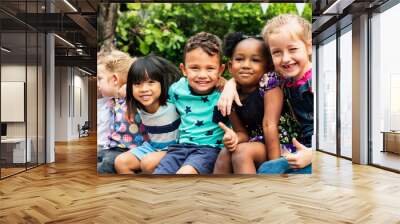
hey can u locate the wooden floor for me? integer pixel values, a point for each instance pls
(387, 159)
(70, 191)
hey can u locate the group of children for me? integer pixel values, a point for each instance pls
(162, 124)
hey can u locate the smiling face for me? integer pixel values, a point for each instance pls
(248, 63)
(147, 93)
(289, 53)
(202, 70)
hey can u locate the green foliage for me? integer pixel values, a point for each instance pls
(307, 12)
(163, 28)
(281, 8)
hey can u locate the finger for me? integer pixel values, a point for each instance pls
(298, 145)
(224, 127)
(221, 108)
(290, 158)
(237, 100)
(231, 149)
(228, 107)
(227, 138)
(230, 146)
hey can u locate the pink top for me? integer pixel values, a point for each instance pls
(307, 76)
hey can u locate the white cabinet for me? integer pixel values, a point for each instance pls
(16, 147)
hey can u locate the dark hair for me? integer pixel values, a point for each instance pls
(231, 40)
(210, 43)
(150, 67)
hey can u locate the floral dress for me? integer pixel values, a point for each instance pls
(125, 134)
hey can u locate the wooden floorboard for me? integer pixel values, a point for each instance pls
(70, 191)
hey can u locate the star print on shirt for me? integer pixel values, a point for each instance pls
(176, 96)
(199, 123)
(210, 132)
(205, 99)
(188, 109)
(219, 142)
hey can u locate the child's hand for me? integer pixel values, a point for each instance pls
(301, 158)
(228, 95)
(230, 138)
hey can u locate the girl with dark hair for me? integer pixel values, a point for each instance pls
(257, 120)
(147, 88)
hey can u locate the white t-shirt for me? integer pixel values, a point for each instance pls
(104, 121)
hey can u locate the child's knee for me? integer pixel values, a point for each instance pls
(147, 165)
(241, 154)
(121, 160)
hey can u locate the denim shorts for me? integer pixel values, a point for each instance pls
(144, 149)
(200, 157)
(106, 158)
(281, 166)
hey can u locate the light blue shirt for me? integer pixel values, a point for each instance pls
(199, 115)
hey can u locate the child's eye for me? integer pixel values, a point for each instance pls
(276, 53)
(293, 49)
(152, 81)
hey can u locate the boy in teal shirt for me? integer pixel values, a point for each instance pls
(195, 97)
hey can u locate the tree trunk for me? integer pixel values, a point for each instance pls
(106, 22)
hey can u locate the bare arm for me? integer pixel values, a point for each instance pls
(273, 101)
(241, 131)
(228, 95)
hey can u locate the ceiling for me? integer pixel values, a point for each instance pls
(22, 23)
(331, 15)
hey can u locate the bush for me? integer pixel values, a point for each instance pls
(164, 28)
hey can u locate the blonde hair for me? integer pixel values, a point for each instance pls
(304, 32)
(117, 62)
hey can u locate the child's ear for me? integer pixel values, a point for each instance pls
(221, 69)
(115, 79)
(230, 66)
(309, 47)
(183, 69)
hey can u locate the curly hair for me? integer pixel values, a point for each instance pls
(209, 43)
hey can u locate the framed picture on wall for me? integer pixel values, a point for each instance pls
(168, 75)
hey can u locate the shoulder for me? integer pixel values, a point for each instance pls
(269, 81)
(181, 82)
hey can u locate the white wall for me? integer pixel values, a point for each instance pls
(71, 94)
(14, 72)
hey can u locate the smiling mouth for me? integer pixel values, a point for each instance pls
(245, 74)
(289, 66)
(202, 82)
(145, 97)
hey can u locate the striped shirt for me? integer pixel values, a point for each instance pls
(162, 126)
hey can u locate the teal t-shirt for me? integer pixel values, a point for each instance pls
(199, 115)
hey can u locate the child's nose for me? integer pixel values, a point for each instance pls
(202, 74)
(246, 63)
(144, 88)
(285, 57)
